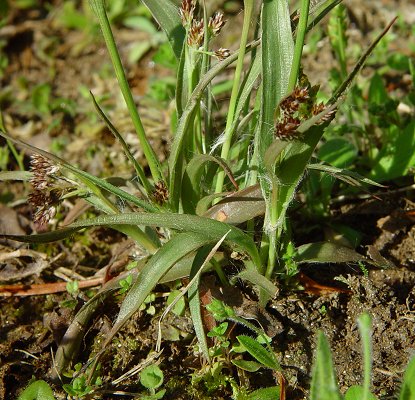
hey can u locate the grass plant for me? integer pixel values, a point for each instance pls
(200, 197)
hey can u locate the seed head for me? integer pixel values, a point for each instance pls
(216, 23)
(42, 171)
(161, 193)
(187, 9)
(45, 203)
(196, 34)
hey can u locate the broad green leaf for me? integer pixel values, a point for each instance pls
(166, 13)
(277, 53)
(239, 207)
(250, 366)
(398, 157)
(326, 252)
(37, 390)
(178, 247)
(193, 177)
(257, 351)
(338, 152)
(408, 386)
(356, 392)
(151, 377)
(269, 393)
(212, 230)
(323, 380)
(255, 278)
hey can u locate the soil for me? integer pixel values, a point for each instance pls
(42, 50)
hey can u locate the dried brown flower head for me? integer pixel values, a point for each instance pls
(46, 193)
(196, 34)
(45, 203)
(187, 9)
(297, 107)
(222, 53)
(161, 193)
(42, 171)
(216, 23)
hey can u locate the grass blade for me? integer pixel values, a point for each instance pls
(99, 7)
(212, 230)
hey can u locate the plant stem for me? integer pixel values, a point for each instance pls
(248, 7)
(155, 168)
(299, 43)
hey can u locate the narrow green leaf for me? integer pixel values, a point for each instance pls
(166, 13)
(350, 177)
(194, 301)
(326, 252)
(408, 386)
(127, 152)
(365, 327)
(262, 355)
(211, 229)
(323, 380)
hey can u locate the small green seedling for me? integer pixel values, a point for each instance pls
(37, 390)
(151, 378)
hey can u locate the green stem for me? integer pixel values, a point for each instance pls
(155, 168)
(299, 43)
(248, 7)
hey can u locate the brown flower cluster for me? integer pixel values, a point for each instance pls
(45, 195)
(195, 28)
(216, 23)
(294, 109)
(161, 193)
(196, 34)
(187, 9)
